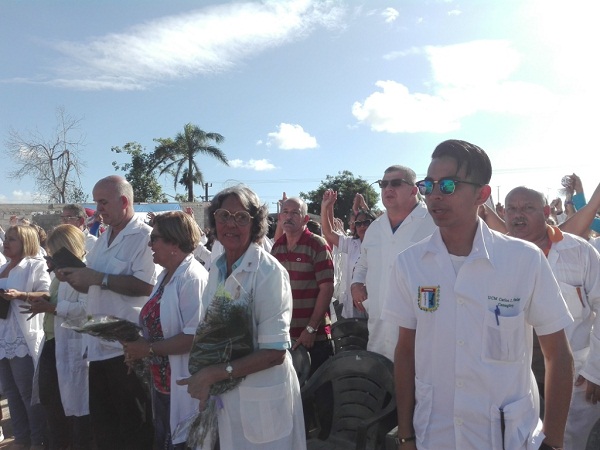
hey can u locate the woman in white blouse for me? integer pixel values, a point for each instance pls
(22, 279)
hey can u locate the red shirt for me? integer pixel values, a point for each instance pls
(309, 264)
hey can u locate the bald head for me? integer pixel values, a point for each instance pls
(526, 211)
(114, 200)
(532, 194)
(119, 184)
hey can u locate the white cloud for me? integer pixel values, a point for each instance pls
(467, 78)
(401, 53)
(390, 14)
(258, 165)
(21, 197)
(455, 12)
(210, 40)
(291, 137)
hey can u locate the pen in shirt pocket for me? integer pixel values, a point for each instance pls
(578, 289)
(497, 312)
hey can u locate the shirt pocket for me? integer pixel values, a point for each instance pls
(118, 266)
(503, 337)
(573, 298)
(513, 426)
(423, 407)
(266, 412)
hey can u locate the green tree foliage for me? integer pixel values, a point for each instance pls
(177, 156)
(347, 186)
(140, 172)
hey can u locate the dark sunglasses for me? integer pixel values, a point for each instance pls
(447, 185)
(363, 223)
(242, 218)
(395, 182)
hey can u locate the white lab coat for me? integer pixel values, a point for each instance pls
(71, 366)
(474, 338)
(350, 247)
(378, 252)
(264, 412)
(180, 313)
(576, 266)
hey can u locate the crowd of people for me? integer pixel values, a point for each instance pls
(488, 313)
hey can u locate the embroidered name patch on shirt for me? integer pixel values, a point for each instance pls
(429, 298)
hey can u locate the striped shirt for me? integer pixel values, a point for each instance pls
(309, 264)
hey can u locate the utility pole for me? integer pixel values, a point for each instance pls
(206, 186)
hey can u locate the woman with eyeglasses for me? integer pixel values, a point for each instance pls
(263, 411)
(349, 245)
(22, 279)
(169, 320)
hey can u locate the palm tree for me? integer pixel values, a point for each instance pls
(176, 156)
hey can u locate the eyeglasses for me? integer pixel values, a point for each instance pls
(362, 223)
(154, 238)
(241, 218)
(395, 182)
(447, 185)
(67, 218)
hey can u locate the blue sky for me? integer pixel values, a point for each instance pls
(303, 89)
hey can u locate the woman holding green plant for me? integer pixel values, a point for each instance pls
(242, 374)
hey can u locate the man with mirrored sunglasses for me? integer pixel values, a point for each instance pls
(404, 222)
(466, 301)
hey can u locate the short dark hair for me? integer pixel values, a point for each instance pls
(314, 227)
(364, 212)
(476, 161)
(250, 201)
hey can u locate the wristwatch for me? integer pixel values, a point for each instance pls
(229, 370)
(310, 329)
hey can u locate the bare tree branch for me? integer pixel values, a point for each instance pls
(54, 162)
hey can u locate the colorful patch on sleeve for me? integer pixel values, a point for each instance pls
(429, 298)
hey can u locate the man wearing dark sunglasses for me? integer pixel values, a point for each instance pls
(404, 222)
(466, 300)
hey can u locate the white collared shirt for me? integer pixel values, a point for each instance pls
(474, 337)
(128, 254)
(379, 249)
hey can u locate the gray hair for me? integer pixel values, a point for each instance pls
(301, 203)
(250, 202)
(77, 209)
(408, 174)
